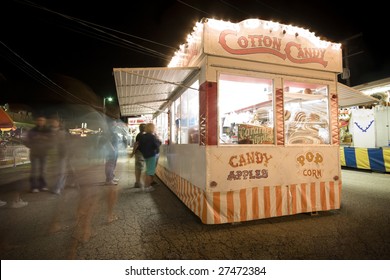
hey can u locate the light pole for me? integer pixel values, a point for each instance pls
(104, 103)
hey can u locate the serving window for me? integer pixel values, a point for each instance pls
(162, 126)
(245, 110)
(185, 117)
(306, 113)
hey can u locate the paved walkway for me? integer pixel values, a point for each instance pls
(157, 225)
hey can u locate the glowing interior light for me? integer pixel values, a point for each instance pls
(295, 89)
(251, 90)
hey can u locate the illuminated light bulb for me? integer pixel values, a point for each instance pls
(272, 26)
(336, 46)
(251, 23)
(221, 25)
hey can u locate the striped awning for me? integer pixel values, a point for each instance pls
(352, 97)
(145, 91)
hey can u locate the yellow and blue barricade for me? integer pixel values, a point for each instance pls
(376, 159)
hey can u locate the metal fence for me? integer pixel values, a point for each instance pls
(14, 155)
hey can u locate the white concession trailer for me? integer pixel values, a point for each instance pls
(248, 115)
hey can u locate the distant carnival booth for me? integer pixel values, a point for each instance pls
(365, 129)
(248, 114)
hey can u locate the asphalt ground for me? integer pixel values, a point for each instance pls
(97, 222)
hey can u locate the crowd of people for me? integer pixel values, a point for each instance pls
(49, 141)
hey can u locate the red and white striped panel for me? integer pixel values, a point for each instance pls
(253, 203)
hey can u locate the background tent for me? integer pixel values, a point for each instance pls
(6, 123)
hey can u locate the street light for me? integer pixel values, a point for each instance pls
(104, 103)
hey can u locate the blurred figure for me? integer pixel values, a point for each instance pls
(3, 203)
(111, 198)
(60, 154)
(139, 158)
(87, 208)
(38, 140)
(154, 182)
(149, 145)
(111, 147)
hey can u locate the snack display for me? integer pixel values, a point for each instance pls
(287, 115)
(306, 128)
(261, 116)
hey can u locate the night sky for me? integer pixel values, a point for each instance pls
(84, 40)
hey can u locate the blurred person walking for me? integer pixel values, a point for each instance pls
(149, 146)
(38, 139)
(139, 158)
(154, 182)
(111, 147)
(59, 154)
